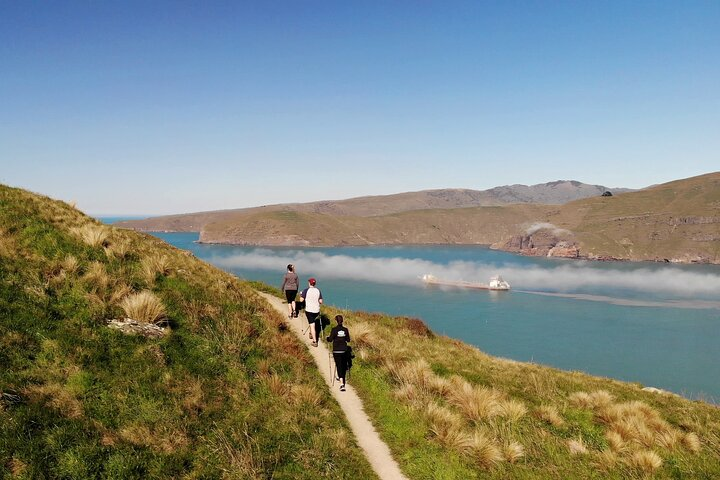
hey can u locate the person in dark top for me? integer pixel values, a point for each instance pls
(340, 336)
(290, 287)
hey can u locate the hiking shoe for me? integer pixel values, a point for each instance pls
(342, 388)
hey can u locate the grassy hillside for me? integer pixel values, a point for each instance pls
(449, 411)
(224, 393)
(678, 221)
(558, 192)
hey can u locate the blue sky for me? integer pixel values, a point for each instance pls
(168, 107)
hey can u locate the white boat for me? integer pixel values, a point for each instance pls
(496, 283)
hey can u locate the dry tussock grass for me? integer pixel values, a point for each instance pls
(616, 442)
(276, 385)
(596, 399)
(96, 277)
(119, 292)
(91, 234)
(241, 459)
(513, 451)
(668, 439)
(410, 395)
(339, 438)
(416, 372)
(577, 446)
(439, 385)
(476, 403)
(645, 460)
(153, 265)
(455, 438)
(691, 441)
(442, 420)
(145, 307)
(606, 460)
(70, 264)
(57, 397)
(305, 396)
(549, 414)
(512, 410)
(363, 335)
(118, 248)
(264, 367)
(486, 452)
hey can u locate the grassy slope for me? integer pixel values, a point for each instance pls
(646, 225)
(225, 395)
(483, 225)
(402, 368)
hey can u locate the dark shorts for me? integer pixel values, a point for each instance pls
(312, 317)
(290, 295)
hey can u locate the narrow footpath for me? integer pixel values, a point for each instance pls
(376, 451)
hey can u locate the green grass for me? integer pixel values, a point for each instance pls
(406, 429)
(83, 401)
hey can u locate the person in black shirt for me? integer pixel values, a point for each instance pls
(340, 336)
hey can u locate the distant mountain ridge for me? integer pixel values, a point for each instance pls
(551, 193)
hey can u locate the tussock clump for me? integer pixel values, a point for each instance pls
(596, 399)
(645, 460)
(118, 248)
(91, 234)
(442, 420)
(691, 441)
(668, 439)
(577, 446)
(513, 410)
(363, 335)
(616, 441)
(476, 403)
(276, 384)
(633, 429)
(513, 451)
(486, 451)
(455, 438)
(154, 265)
(439, 385)
(70, 264)
(417, 373)
(409, 394)
(96, 277)
(119, 292)
(145, 307)
(305, 396)
(607, 459)
(549, 414)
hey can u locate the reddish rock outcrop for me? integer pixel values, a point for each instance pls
(542, 243)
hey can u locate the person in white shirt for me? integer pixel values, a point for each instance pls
(312, 296)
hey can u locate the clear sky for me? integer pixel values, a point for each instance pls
(166, 107)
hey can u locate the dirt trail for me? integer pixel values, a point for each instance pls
(376, 451)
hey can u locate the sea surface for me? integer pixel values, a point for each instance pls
(655, 324)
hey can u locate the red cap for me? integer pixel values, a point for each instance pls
(312, 281)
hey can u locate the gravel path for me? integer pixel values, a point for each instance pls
(376, 451)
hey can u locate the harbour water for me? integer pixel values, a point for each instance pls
(655, 324)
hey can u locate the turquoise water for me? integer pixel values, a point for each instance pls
(655, 324)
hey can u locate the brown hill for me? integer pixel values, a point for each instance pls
(677, 221)
(558, 192)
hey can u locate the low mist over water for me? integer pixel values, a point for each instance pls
(656, 324)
